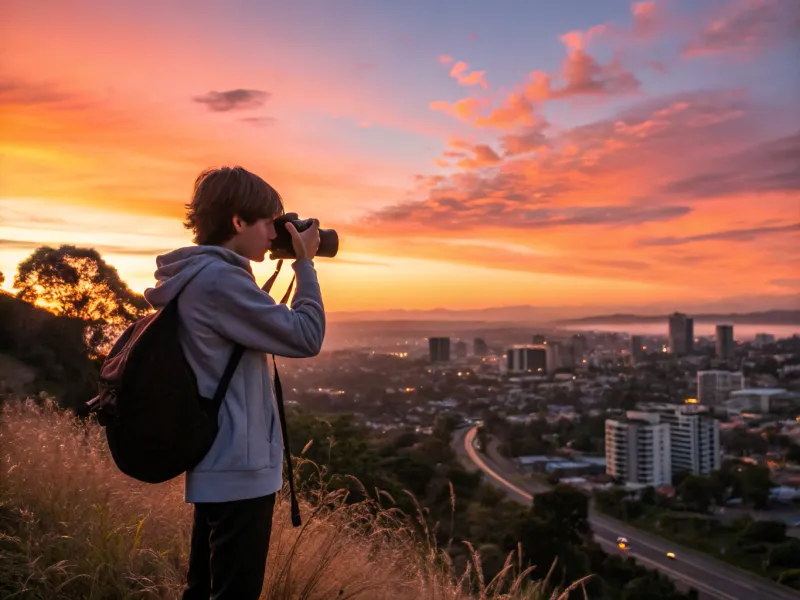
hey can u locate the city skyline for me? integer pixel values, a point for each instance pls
(598, 154)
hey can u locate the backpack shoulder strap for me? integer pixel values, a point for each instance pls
(233, 361)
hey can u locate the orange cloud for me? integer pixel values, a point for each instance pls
(466, 109)
(605, 199)
(461, 73)
(581, 74)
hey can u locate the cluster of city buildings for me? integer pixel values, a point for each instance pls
(646, 447)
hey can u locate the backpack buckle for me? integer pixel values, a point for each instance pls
(104, 404)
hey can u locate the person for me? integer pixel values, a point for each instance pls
(232, 215)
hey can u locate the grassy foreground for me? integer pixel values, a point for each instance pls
(73, 527)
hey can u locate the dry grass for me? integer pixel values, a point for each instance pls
(73, 527)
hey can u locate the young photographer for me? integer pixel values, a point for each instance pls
(232, 215)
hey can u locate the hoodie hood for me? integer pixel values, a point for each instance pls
(175, 269)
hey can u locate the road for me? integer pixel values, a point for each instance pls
(713, 579)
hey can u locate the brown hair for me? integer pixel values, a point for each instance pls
(226, 192)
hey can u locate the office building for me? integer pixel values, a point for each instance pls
(637, 349)
(579, 347)
(527, 359)
(724, 342)
(637, 449)
(480, 347)
(694, 439)
(460, 350)
(439, 348)
(681, 334)
(714, 387)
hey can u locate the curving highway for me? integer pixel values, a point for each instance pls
(713, 579)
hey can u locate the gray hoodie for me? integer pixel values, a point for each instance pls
(220, 304)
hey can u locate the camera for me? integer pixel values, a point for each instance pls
(282, 244)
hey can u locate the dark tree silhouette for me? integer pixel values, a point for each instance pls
(2, 278)
(77, 283)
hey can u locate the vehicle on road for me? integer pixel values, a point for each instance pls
(622, 543)
(671, 555)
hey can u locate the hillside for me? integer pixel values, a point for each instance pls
(770, 317)
(42, 352)
(73, 527)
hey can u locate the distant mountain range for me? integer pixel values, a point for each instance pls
(772, 310)
(770, 317)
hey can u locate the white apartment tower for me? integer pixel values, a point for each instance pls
(714, 387)
(693, 440)
(638, 449)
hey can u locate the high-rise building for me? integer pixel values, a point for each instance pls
(439, 348)
(694, 439)
(638, 449)
(480, 347)
(527, 359)
(714, 387)
(681, 334)
(460, 350)
(724, 342)
(649, 447)
(555, 357)
(637, 349)
(579, 347)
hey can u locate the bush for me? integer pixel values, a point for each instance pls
(790, 578)
(772, 532)
(786, 555)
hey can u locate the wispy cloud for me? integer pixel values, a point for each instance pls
(747, 26)
(239, 99)
(730, 235)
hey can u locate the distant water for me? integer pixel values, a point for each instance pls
(740, 332)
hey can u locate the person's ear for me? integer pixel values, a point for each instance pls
(238, 224)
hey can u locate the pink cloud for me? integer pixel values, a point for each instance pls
(680, 171)
(445, 59)
(747, 26)
(461, 73)
(645, 18)
(582, 75)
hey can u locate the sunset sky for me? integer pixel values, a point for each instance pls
(471, 154)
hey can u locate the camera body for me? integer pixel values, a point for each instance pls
(282, 244)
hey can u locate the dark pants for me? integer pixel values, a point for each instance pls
(230, 541)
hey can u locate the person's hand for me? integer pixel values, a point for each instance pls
(305, 243)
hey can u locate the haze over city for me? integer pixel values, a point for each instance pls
(571, 154)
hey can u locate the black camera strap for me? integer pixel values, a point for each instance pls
(295, 508)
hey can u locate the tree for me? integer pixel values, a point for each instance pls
(793, 454)
(756, 483)
(696, 492)
(2, 278)
(567, 509)
(77, 283)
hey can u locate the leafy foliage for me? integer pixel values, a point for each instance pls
(77, 283)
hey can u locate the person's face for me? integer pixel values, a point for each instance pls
(253, 241)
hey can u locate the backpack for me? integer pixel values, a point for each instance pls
(157, 424)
